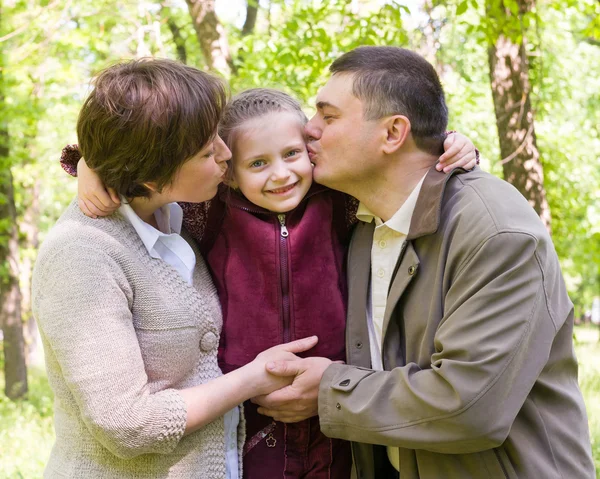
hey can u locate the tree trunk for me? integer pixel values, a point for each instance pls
(176, 34)
(30, 228)
(509, 77)
(15, 368)
(251, 14)
(211, 36)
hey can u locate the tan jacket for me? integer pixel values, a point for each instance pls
(480, 375)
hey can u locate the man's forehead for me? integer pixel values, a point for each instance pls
(336, 91)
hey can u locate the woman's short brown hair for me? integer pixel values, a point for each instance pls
(144, 119)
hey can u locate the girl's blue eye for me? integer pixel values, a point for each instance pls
(289, 154)
(257, 163)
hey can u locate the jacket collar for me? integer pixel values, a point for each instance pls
(401, 219)
(426, 217)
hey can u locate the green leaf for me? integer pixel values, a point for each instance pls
(462, 7)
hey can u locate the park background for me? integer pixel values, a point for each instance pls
(522, 79)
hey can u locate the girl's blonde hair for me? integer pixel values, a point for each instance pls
(252, 104)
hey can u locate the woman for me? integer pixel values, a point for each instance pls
(127, 311)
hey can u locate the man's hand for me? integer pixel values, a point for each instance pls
(299, 400)
(259, 376)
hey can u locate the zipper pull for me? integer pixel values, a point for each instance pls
(284, 231)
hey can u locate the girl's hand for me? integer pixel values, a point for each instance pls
(266, 382)
(459, 152)
(94, 199)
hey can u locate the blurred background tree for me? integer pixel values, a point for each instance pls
(522, 79)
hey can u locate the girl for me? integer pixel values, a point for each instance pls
(275, 244)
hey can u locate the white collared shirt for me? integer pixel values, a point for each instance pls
(388, 239)
(166, 243)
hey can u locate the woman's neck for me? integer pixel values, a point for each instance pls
(145, 209)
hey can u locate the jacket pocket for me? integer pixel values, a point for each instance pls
(348, 379)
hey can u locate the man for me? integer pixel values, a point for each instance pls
(459, 333)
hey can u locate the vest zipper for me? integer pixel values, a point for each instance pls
(285, 283)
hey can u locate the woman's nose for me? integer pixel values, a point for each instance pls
(222, 152)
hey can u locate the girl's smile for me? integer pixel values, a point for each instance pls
(283, 190)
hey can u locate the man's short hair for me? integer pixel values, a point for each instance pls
(144, 119)
(396, 81)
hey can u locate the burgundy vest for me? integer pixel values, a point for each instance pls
(279, 277)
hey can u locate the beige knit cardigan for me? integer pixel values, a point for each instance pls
(121, 332)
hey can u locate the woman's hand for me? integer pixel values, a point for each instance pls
(266, 382)
(459, 152)
(212, 399)
(94, 199)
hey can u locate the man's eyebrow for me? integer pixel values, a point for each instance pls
(325, 104)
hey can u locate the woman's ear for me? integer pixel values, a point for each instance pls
(151, 185)
(398, 129)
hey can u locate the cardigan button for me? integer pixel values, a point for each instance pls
(338, 406)
(358, 344)
(412, 270)
(208, 342)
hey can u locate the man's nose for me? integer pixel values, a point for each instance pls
(313, 132)
(222, 152)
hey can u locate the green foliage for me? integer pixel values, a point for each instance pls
(565, 80)
(56, 47)
(587, 347)
(294, 51)
(26, 430)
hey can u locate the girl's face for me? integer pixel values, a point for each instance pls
(271, 166)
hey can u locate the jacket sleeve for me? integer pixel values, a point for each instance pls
(69, 158)
(351, 207)
(195, 219)
(84, 315)
(490, 347)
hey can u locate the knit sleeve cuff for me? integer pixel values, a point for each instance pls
(175, 414)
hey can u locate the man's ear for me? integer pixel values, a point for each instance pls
(398, 129)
